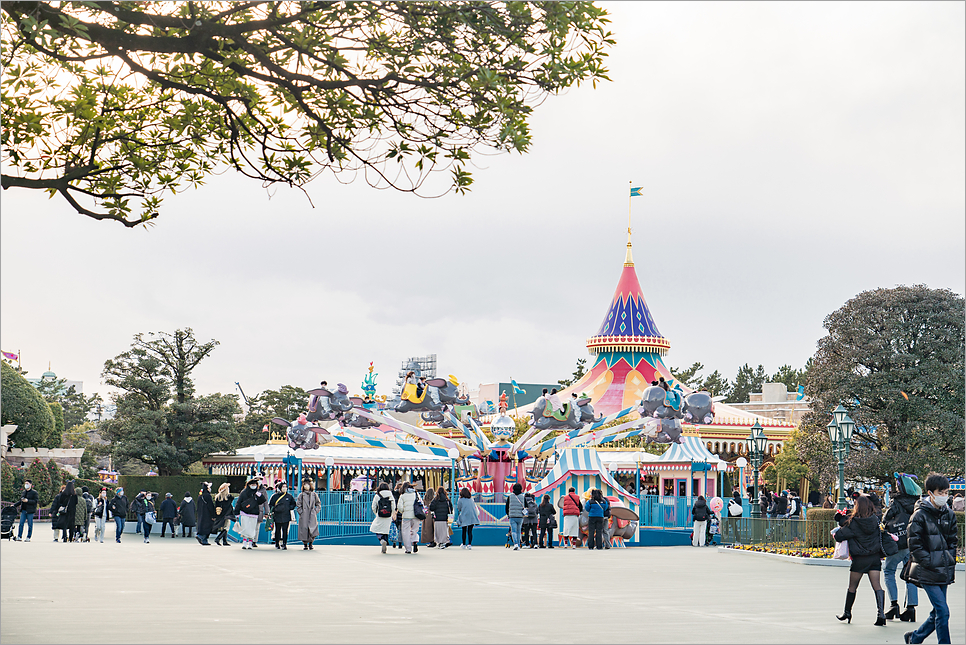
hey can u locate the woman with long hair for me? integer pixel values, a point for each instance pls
(427, 531)
(861, 529)
(440, 510)
(467, 516)
(224, 502)
(308, 505)
(384, 509)
(546, 512)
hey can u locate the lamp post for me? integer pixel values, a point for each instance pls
(299, 456)
(329, 462)
(259, 457)
(840, 434)
(721, 467)
(741, 462)
(756, 449)
(453, 454)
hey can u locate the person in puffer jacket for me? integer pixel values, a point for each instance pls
(864, 536)
(933, 539)
(598, 509)
(700, 514)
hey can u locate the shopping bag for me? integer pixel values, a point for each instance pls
(841, 551)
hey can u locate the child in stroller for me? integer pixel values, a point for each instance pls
(7, 518)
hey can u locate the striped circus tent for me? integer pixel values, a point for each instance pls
(582, 469)
(690, 449)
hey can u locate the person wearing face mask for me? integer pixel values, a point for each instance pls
(246, 508)
(118, 508)
(101, 512)
(283, 508)
(28, 506)
(933, 538)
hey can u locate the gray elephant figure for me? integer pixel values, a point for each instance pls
(325, 405)
(660, 403)
(543, 419)
(669, 432)
(698, 408)
(438, 389)
(353, 420)
(301, 434)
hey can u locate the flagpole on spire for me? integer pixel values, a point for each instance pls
(628, 258)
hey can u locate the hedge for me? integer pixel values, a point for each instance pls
(817, 526)
(177, 485)
(22, 405)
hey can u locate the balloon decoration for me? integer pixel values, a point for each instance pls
(717, 504)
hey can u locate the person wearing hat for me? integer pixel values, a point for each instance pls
(186, 512)
(246, 509)
(206, 514)
(118, 508)
(283, 510)
(169, 510)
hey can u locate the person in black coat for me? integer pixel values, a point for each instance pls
(28, 506)
(206, 515)
(530, 522)
(896, 521)
(169, 510)
(69, 501)
(546, 513)
(861, 529)
(933, 539)
(118, 508)
(186, 511)
(282, 505)
(223, 513)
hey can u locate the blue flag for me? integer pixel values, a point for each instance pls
(636, 192)
(516, 388)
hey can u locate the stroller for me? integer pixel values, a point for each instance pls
(714, 531)
(7, 517)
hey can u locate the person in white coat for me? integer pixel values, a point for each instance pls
(382, 502)
(410, 525)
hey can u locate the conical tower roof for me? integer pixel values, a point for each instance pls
(628, 325)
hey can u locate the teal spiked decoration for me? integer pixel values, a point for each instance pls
(369, 382)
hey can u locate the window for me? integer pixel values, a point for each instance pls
(682, 487)
(709, 447)
(695, 487)
(717, 447)
(732, 447)
(669, 487)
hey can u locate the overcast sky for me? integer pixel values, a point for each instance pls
(792, 156)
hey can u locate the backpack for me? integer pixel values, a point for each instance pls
(384, 506)
(418, 509)
(898, 524)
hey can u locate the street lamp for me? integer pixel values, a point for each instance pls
(756, 448)
(721, 467)
(741, 462)
(299, 455)
(840, 430)
(259, 457)
(453, 454)
(329, 462)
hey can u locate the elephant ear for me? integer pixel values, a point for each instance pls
(357, 401)
(282, 422)
(436, 382)
(583, 402)
(320, 391)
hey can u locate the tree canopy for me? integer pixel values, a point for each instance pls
(112, 104)
(74, 404)
(23, 406)
(159, 420)
(287, 402)
(895, 359)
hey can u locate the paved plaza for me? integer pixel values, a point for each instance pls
(175, 591)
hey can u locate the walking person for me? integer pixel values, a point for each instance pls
(150, 515)
(397, 517)
(58, 513)
(933, 539)
(247, 508)
(861, 529)
(516, 508)
(441, 508)
(428, 530)
(896, 521)
(384, 509)
(467, 516)
(406, 509)
(597, 509)
(118, 507)
(89, 502)
(700, 515)
(101, 511)
(223, 502)
(29, 498)
(283, 511)
(572, 508)
(169, 510)
(186, 511)
(206, 514)
(546, 512)
(79, 517)
(530, 522)
(308, 506)
(263, 511)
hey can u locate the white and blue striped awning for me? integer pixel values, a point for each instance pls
(690, 449)
(577, 461)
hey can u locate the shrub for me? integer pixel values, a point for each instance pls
(8, 490)
(22, 405)
(177, 485)
(56, 478)
(38, 474)
(818, 523)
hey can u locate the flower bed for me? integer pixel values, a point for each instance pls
(797, 550)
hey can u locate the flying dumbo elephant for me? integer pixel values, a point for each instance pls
(303, 434)
(698, 407)
(325, 405)
(353, 420)
(660, 402)
(544, 417)
(439, 394)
